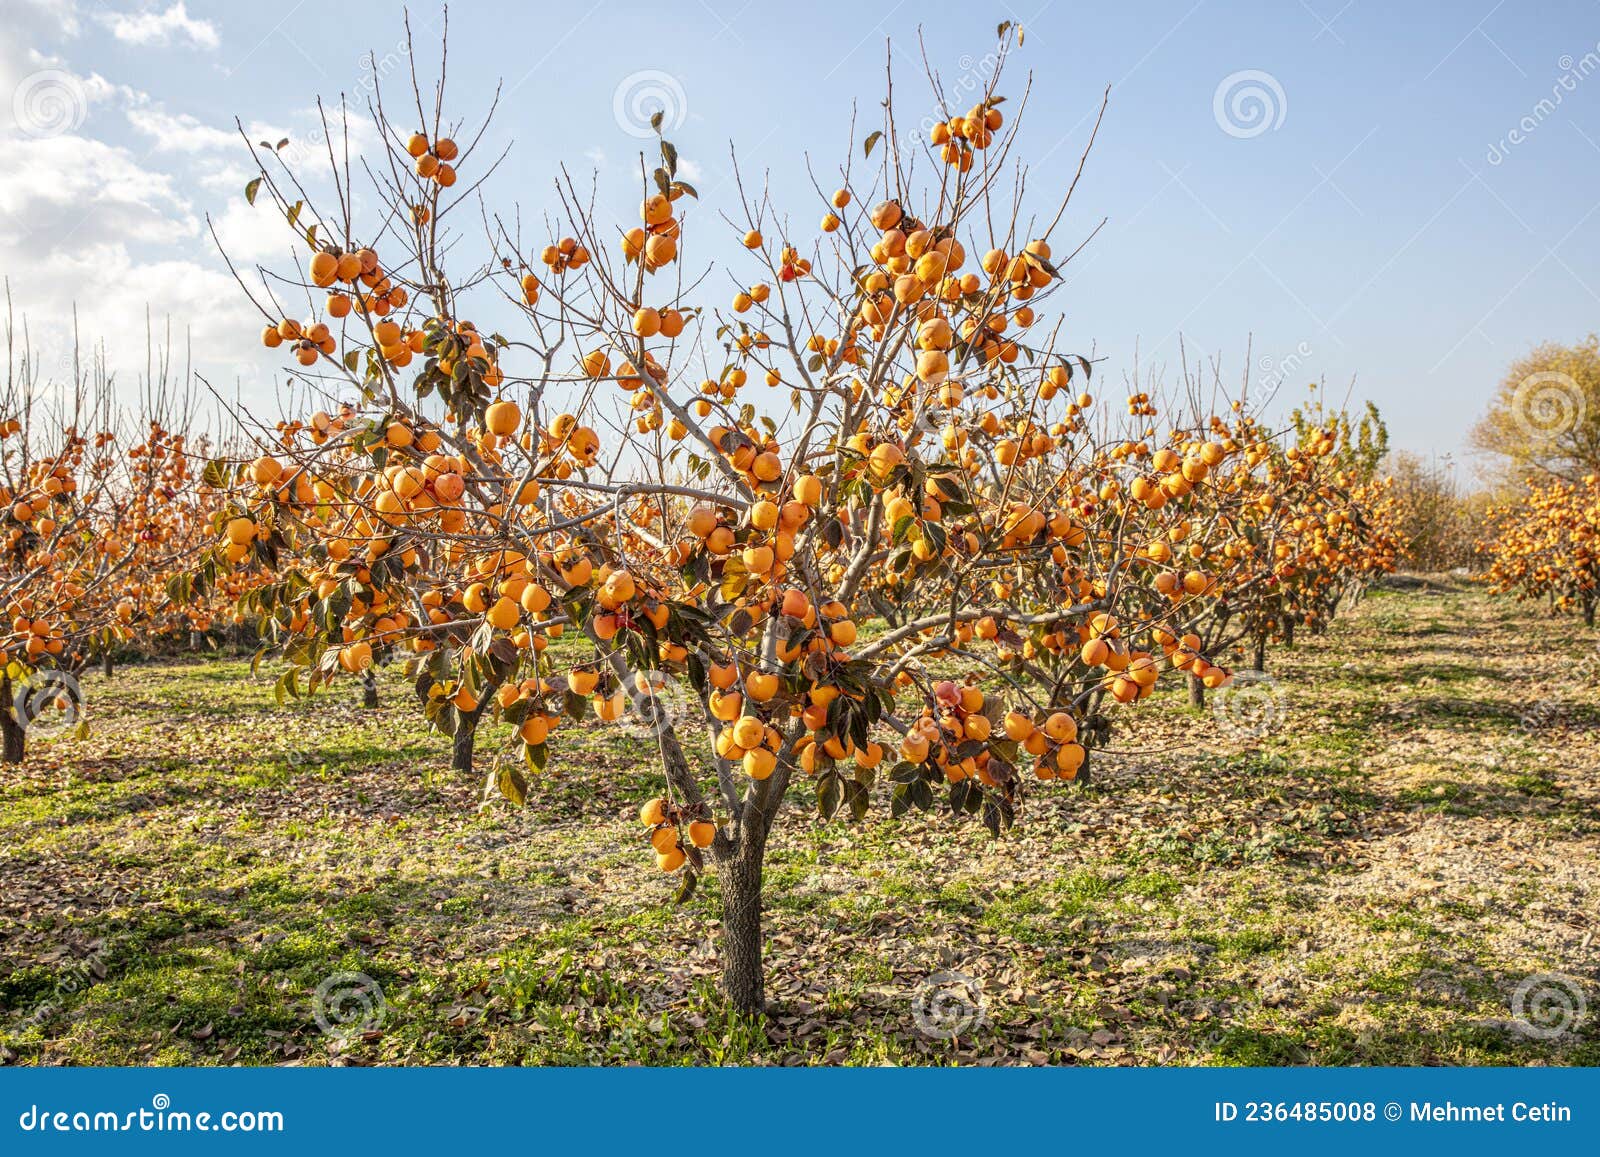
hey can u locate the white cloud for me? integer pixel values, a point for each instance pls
(251, 233)
(103, 219)
(149, 27)
(68, 192)
(180, 133)
(224, 177)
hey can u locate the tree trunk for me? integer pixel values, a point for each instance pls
(1288, 632)
(197, 641)
(1197, 693)
(1261, 653)
(108, 666)
(13, 735)
(740, 878)
(1588, 612)
(369, 689)
(461, 743)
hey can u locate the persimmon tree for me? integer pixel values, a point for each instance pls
(855, 517)
(1546, 545)
(1317, 525)
(100, 504)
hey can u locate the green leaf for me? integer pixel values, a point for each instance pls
(857, 796)
(904, 772)
(828, 795)
(511, 782)
(958, 795)
(686, 889)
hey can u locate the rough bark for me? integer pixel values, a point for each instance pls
(1197, 692)
(108, 666)
(1588, 612)
(739, 875)
(1288, 631)
(462, 742)
(13, 735)
(369, 689)
(1261, 654)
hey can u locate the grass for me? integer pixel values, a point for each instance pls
(209, 878)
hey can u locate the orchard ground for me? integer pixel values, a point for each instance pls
(1416, 835)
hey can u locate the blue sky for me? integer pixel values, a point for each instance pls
(1406, 213)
